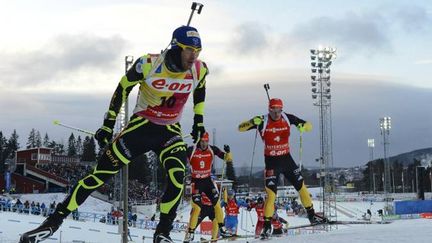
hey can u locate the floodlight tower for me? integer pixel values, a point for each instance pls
(321, 62)
(371, 146)
(385, 126)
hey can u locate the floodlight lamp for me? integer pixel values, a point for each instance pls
(313, 51)
(314, 70)
(313, 57)
(320, 64)
(327, 70)
(320, 70)
(313, 64)
(328, 83)
(314, 96)
(314, 90)
(313, 77)
(328, 64)
(371, 142)
(314, 84)
(328, 90)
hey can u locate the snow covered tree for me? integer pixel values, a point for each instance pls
(7, 148)
(38, 139)
(3, 151)
(59, 148)
(13, 144)
(79, 146)
(31, 140)
(52, 144)
(46, 141)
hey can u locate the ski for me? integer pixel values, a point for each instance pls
(338, 222)
(202, 240)
(358, 222)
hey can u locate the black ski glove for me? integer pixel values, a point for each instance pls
(104, 134)
(198, 128)
(227, 148)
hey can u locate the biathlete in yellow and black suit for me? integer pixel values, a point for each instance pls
(166, 80)
(201, 160)
(274, 129)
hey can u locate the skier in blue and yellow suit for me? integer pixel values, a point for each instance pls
(166, 80)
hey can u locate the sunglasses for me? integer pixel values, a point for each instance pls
(189, 48)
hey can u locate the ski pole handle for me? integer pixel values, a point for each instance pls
(267, 87)
(194, 7)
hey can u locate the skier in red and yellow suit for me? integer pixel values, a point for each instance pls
(274, 129)
(207, 210)
(259, 208)
(201, 160)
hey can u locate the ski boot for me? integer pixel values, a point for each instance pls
(163, 230)
(162, 238)
(224, 232)
(315, 218)
(266, 233)
(189, 236)
(45, 230)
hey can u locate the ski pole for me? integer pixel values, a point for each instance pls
(194, 145)
(194, 7)
(57, 122)
(222, 179)
(267, 87)
(301, 150)
(252, 160)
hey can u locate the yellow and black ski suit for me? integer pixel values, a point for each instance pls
(154, 126)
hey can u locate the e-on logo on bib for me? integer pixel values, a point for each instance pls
(172, 85)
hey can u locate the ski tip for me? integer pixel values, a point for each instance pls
(56, 122)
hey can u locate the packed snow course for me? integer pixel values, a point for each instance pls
(12, 224)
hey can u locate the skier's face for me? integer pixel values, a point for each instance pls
(275, 113)
(203, 144)
(189, 55)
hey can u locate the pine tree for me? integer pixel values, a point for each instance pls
(52, 144)
(31, 140)
(13, 144)
(89, 149)
(46, 141)
(3, 149)
(59, 149)
(38, 140)
(7, 148)
(72, 151)
(79, 146)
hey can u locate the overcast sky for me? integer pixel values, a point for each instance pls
(61, 60)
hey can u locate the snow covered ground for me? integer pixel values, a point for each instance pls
(415, 230)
